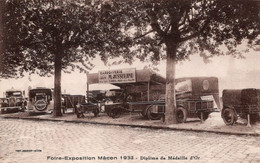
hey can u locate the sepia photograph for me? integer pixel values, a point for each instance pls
(129, 81)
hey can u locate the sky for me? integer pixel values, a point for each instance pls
(232, 73)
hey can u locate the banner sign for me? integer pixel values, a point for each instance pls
(117, 76)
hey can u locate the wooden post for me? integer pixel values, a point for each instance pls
(87, 88)
(148, 91)
(201, 117)
(248, 120)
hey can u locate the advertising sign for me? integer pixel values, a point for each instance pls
(117, 76)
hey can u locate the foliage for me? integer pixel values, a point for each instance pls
(208, 27)
(34, 31)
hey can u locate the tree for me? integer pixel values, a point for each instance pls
(48, 36)
(10, 51)
(184, 27)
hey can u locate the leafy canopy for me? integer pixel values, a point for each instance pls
(196, 26)
(33, 32)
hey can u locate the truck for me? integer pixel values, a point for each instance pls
(13, 101)
(243, 103)
(40, 100)
(195, 97)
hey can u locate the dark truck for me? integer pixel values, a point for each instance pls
(40, 100)
(14, 101)
(244, 103)
(195, 97)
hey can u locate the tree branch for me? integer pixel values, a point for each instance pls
(143, 34)
(154, 23)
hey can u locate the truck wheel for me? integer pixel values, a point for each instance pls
(205, 115)
(181, 115)
(229, 116)
(151, 115)
(115, 112)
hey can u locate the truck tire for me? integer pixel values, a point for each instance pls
(181, 115)
(151, 115)
(229, 116)
(205, 115)
(115, 112)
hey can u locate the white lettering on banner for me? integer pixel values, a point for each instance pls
(117, 76)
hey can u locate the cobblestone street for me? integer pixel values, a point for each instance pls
(41, 141)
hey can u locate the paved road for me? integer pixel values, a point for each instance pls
(41, 141)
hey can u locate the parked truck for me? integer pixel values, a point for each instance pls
(243, 103)
(40, 100)
(13, 101)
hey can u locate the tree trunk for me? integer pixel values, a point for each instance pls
(170, 110)
(2, 7)
(57, 83)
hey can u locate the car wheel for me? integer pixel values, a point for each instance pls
(181, 115)
(115, 112)
(229, 116)
(151, 115)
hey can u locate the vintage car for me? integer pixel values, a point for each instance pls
(14, 101)
(40, 100)
(244, 103)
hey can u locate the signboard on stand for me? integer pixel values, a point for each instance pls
(117, 76)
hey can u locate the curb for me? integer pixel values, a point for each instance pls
(136, 126)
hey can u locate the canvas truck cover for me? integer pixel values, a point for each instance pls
(232, 97)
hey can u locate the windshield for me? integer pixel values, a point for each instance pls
(40, 94)
(183, 86)
(17, 93)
